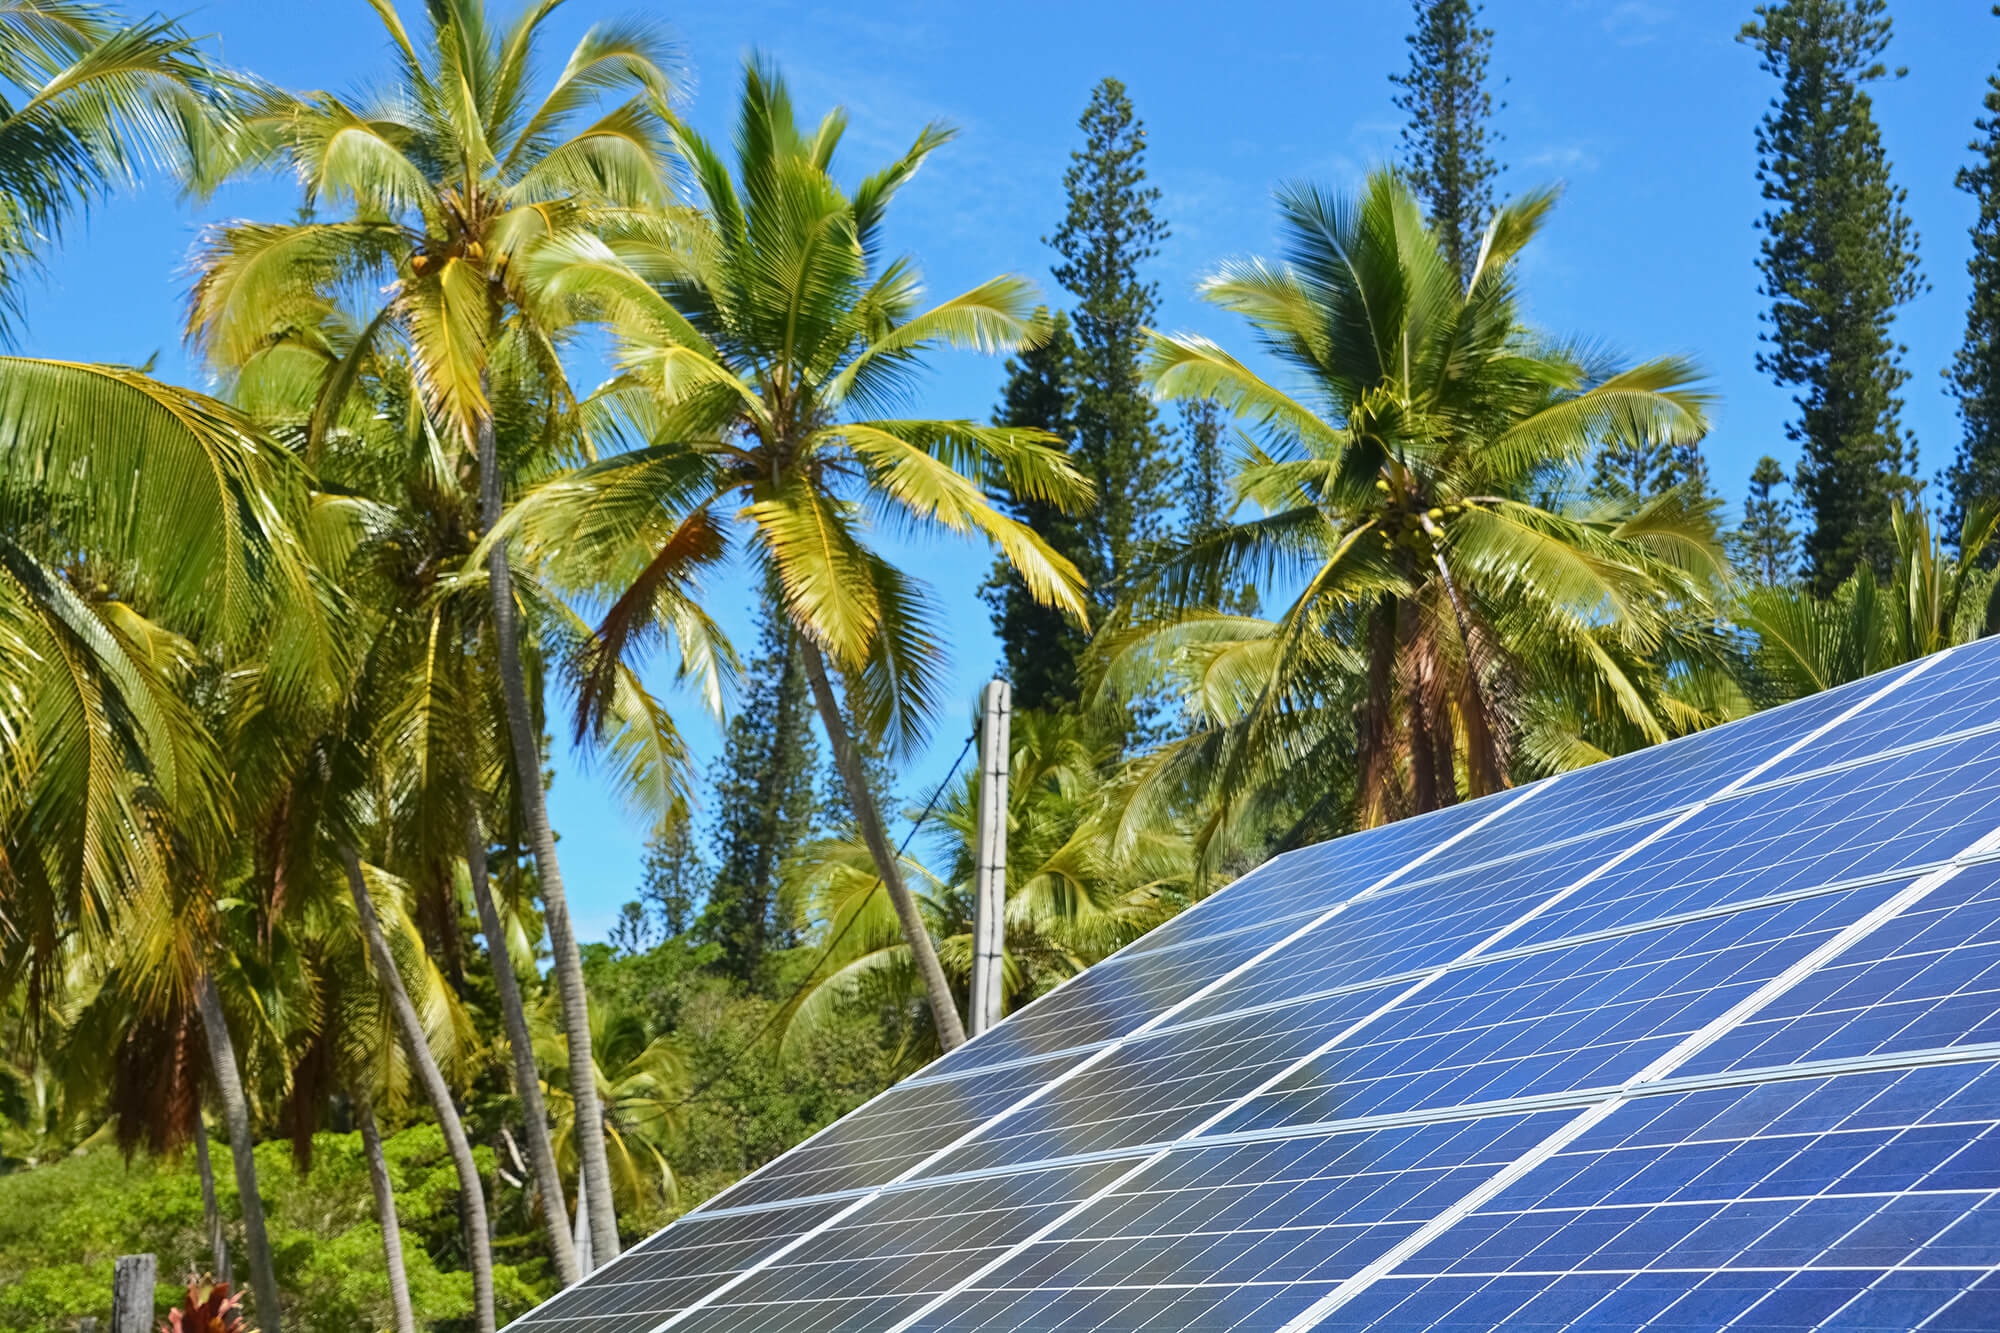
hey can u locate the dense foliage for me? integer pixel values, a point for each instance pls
(288, 990)
(1839, 256)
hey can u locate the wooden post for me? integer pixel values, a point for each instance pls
(989, 931)
(132, 1283)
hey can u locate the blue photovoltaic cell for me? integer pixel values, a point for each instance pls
(1160, 1086)
(1276, 1222)
(1955, 695)
(1591, 1015)
(1679, 1209)
(1706, 1037)
(1877, 819)
(1668, 777)
(1928, 979)
(893, 1133)
(673, 1269)
(1313, 879)
(1114, 998)
(1410, 929)
(866, 1269)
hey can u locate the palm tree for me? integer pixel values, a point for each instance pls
(643, 1084)
(1074, 893)
(1929, 602)
(142, 524)
(399, 527)
(1402, 490)
(756, 339)
(453, 179)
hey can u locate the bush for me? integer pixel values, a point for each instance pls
(62, 1225)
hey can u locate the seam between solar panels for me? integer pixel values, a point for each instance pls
(1607, 830)
(1729, 790)
(1734, 908)
(1654, 1073)
(1575, 886)
(1523, 797)
(1577, 1099)
(1472, 868)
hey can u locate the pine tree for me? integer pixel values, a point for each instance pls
(1447, 141)
(1108, 233)
(767, 802)
(1205, 498)
(1839, 256)
(1765, 548)
(1637, 468)
(1974, 475)
(1040, 646)
(674, 879)
(1202, 479)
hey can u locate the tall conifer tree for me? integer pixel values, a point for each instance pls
(1974, 475)
(1765, 548)
(1108, 233)
(767, 802)
(1637, 467)
(1040, 645)
(1839, 256)
(1448, 139)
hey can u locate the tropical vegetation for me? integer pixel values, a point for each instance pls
(531, 384)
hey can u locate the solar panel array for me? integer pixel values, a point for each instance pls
(1703, 1037)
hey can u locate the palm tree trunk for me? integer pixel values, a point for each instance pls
(527, 1080)
(236, 1114)
(418, 1045)
(385, 1213)
(211, 1214)
(847, 758)
(1377, 774)
(594, 1165)
(1485, 771)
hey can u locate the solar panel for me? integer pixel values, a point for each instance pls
(1704, 1037)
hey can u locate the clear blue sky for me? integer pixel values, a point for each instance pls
(1645, 108)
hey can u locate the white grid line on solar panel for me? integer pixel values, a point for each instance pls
(1539, 946)
(1958, 697)
(1145, 947)
(1880, 1301)
(1571, 1100)
(1930, 977)
(705, 1249)
(1829, 1175)
(1080, 1068)
(1551, 1021)
(1743, 779)
(1660, 1069)
(950, 1068)
(1873, 819)
(906, 1247)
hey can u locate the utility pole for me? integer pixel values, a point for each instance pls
(989, 929)
(584, 1259)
